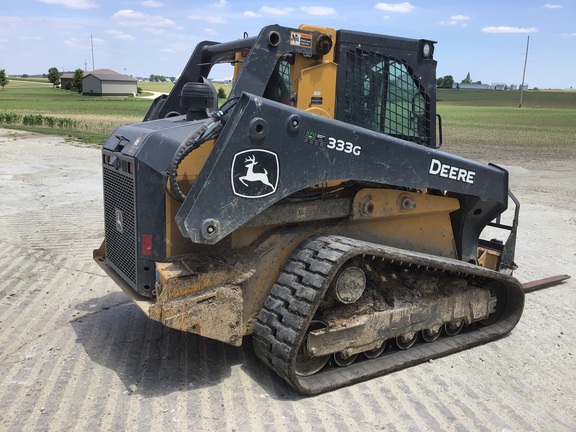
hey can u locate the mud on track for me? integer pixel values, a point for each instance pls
(75, 354)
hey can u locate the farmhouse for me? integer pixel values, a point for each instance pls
(106, 82)
(66, 80)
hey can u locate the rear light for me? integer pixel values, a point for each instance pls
(146, 244)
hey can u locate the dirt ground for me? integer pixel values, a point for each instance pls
(76, 355)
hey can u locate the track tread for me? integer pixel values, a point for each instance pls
(282, 323)
(292, 301)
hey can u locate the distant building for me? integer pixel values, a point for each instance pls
(471, 86)
(66, 80)
(499, 86)
(493, 86)
(106, 82)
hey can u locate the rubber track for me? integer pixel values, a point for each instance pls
(282, 322)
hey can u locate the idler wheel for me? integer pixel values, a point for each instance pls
(499, 296)
(349, 285)
(306, 364)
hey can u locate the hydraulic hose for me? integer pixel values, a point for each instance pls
(208, 130)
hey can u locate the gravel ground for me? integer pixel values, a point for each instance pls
(75, 354)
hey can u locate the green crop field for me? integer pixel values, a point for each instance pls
(28, 82)
(493, 119)
(508, 99)
(469, 117)
(50, 110)
(163, 87)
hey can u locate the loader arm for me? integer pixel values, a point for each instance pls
(271, 43)
(296, 150)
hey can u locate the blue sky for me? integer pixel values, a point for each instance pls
(486, 38)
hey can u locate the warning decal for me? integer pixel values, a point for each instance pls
(303, 40)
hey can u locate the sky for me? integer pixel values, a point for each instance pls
(485, 38)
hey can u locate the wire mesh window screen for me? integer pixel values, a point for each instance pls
(279, 86)
(383, 96)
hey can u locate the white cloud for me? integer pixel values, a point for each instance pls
(120, 35)
(395, 7)
(73, 43)
(132, 18)
(30, 38)
(210, 19)
(125, 37)
(73, 4)
(457, 20)
(6, 21)
(176, 48)
(221, 4)
(267, 10)
(552, 6)
(319, 10)
(152, 4)
(283, 11)
(506, 29)
(155, 31)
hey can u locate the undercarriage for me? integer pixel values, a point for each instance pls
(410, 308)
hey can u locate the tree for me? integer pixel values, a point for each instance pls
(157, 78)
(221, 93)
(445, 82)
(54, 76)
(77, 80)
(3, 78)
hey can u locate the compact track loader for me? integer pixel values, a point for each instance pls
(312, 210)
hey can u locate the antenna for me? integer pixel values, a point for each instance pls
(524, 73)
(92, 44)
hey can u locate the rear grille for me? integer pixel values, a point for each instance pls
(120, 221)
(381, 94)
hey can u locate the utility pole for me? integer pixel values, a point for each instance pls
(524, 73)
(92, 44)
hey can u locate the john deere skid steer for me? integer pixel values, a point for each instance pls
(311, 210)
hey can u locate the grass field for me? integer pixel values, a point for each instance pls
(28, 82)
(510, 99)
(491, 119)
(479, 117)
(163, 87)
(87, 118)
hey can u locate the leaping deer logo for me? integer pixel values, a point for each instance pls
(248, 183)
(252, 176)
